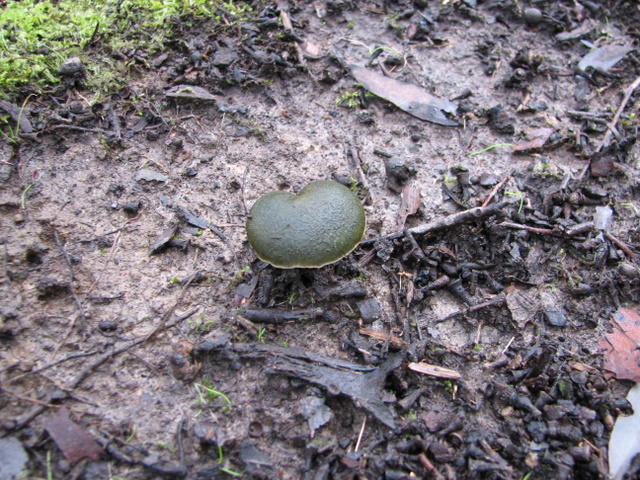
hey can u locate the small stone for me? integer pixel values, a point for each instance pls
(224, 57)
(72, 67)
(190, 172)
(555, 317)
(18, 218)
(147, 175)
(488, 180)
(370, 310)
(532, 16)
(132, 208)
(628, 270)
(107, 325)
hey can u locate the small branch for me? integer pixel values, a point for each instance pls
(280, 315)
(496, 189)
(496, 301)
(80, 377)
(539, 231)
(612, 126)
(630, 253)
(470, 215)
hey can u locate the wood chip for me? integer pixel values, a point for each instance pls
(434, 370)
(395, 341)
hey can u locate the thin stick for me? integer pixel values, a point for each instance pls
(52, 364)
(364, 424)
(623, 247)
(449, 221)
(496, 301)
(612, 126)
(496, 189)
(80, 377)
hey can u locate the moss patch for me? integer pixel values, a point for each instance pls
(36, 36)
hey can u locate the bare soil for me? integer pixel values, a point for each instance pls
(129, 285)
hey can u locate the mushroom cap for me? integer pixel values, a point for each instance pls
(320, 225)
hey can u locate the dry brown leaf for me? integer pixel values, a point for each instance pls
(536, 139)
(620, 348)
(406, 96)
(73, 440)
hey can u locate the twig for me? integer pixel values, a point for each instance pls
(80, 377)
(72, 284)
(496, 189)
(242, 191)
(352, 152)
(74, 127)
(113, 249)
(449, 221)
(627, 95)
(430, 468)
(52, 364)
(623, 247)
(167, 314)
(539, 231)
(26, 399)
(395, 341)
(496, 301)
(364, 424)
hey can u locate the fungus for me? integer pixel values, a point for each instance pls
(320, 225)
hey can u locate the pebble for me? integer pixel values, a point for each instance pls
(370, 310)
(532, 16)
(555, 317)
(628, 270)
(71, 67)
(148, 175)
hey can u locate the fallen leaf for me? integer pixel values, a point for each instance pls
(17, 115)
(315, 411)
(620, 348)
(536, 139)
(603, 58)
(624, 443)
(406, 96)
(190, 92)
(523, 307)
(310, 50)
(73, 440)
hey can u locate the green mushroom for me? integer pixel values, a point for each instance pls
(320, 225)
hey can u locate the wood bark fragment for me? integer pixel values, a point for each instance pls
(434, 370)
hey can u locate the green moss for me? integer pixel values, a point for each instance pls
(36, 36)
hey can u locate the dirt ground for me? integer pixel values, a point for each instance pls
(136, 316)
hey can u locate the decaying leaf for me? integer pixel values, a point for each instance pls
(624, 443)
(73, 440)
(603, 58)
(535, 140)
(406, 96)
(190, 92)
(523, 306)
(620, 348)
(310, 50)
